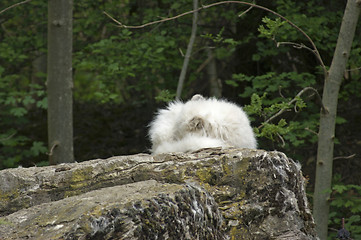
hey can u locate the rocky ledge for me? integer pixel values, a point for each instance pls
(208, 194)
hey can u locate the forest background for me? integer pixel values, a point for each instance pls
(123, 75)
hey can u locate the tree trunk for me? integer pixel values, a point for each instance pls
(60, 83)
(189, 51)
(214, 82)
(327, 119)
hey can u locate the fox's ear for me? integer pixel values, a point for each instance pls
(195, 124)
(197, 97)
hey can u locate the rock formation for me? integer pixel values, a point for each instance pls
(208, 194)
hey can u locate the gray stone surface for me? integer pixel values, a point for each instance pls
(259, 195)
(130, 211)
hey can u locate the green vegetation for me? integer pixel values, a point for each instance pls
(122, 75)
(346, 203)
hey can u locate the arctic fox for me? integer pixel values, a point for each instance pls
(200, 123)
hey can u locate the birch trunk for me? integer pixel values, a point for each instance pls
(328, 118)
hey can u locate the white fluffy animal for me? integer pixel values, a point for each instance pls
(200, 123)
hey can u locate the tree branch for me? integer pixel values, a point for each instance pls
(353, 69)
(311, 131)
(298, 46)
(315, 50)
(12, 6)
(345, 157)
(7, 138)
(55, 144)
(116, 21)
(249, 9)
(292, 101)
(204, 64)
(189, 51)
(281, 138)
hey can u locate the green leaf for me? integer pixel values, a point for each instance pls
(18, 111)
(353, 219)
(38, 148)
(340, 188)
(10, 100)
(231, 83)
(42, 164)
(340, 120)
(256, 57)
(271, 27)
(165, 96)
(159, 50)
(28, 100)
(42, 103)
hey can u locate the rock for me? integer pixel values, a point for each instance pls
(208, 194)
(130, 211)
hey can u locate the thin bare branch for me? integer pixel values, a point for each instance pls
(315, 50)
(188, 52)
(280, 91)
(7, 138)
(283, 141)
(50, 153)
(353, 69)
(249, 9)
(204, 64)
(298, 46)
(311, 131)
(14, 5)
(295, 45)
(292, 101)
(344, 157)
(116, 21)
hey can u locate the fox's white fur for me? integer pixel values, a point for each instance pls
(200, 123)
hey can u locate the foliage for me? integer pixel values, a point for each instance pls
(165, 96)
(272, 91)
(21, 85)
(122, 67)
(271, 29)
(272, 101)
(15, 106)
(224, 46)
(135, 67)
(346, 203)
(122, 74)
(110, 65)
